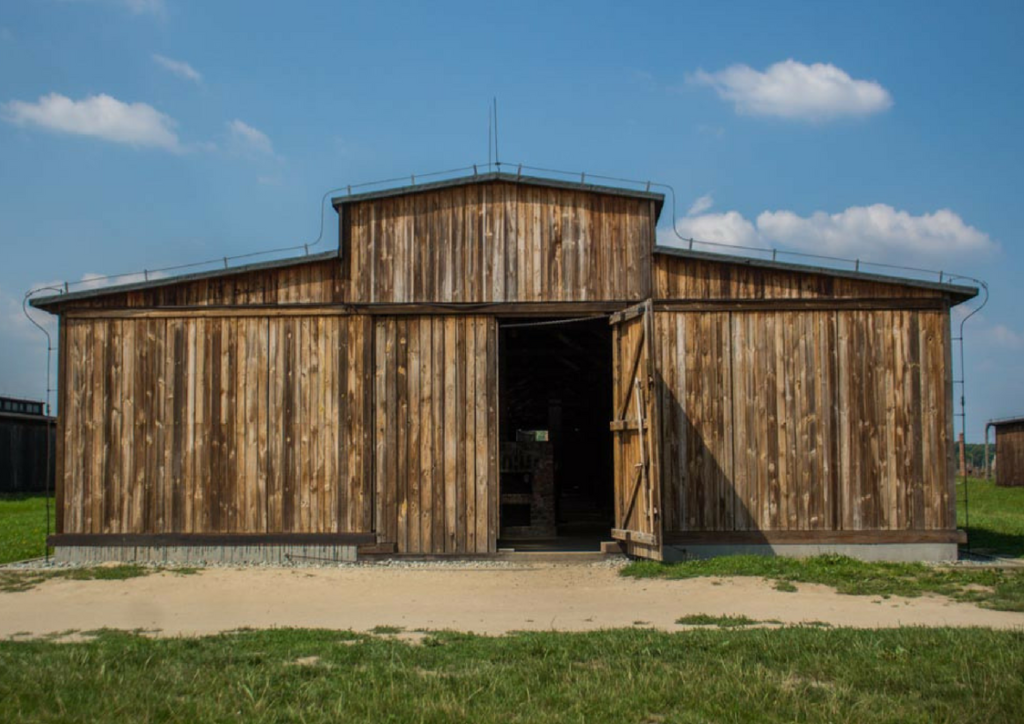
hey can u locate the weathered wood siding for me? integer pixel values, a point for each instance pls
(232, 425)
(497, 242)
(1010, 454)
(435, 381)
(699, 279)
(305, 282)
(806, 421)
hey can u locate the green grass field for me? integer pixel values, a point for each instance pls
(23, 527)
(996, 523)
(734, 675)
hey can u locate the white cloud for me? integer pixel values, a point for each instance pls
(1000, 335)
(101, 116)
(179, 67)
(729, 228)
(793, 90)
(248, 138)
(701, 205)
(878, 231)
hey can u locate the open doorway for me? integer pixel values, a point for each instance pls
(556, 485)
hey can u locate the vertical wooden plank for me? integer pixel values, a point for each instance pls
(428, 433)
(380, 422)
(414, 474)
(468, 413)
(481, 438)
(114, 448)
(493, 441)
(948, 479)
(400, 449)
(159, 416)
(202, 429)
(461, 434)
(177, 397)
(366, 424)
(452, 439)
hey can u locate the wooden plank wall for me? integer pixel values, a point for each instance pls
(209, 424)
(436, 391)
(704, 280)
(305, 282)
(497, 242)
(806, 421)
(1010, 454)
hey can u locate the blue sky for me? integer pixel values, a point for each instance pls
(145, 133)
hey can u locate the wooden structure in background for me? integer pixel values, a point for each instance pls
(1009, 451)
(352, 396)
(24, 429)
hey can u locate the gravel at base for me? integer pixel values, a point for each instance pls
(610, 562)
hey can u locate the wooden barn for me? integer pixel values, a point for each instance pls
(500, 362)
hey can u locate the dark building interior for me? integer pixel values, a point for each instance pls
(556, 452)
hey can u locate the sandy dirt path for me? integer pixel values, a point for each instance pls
(482, 600)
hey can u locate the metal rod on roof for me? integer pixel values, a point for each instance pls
(497, 157)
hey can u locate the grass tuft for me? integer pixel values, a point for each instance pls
(703, 619)
(988, 587)
(16, 581)
(387, 630)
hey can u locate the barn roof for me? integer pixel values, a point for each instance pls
(52, 300)
(958, 292)
(1006, 421)
(513, 178)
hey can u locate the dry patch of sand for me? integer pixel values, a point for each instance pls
(486, 600)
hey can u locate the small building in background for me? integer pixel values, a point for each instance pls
(1009, 451)
(23, 446)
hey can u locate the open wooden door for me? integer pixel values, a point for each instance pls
(635, 434)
